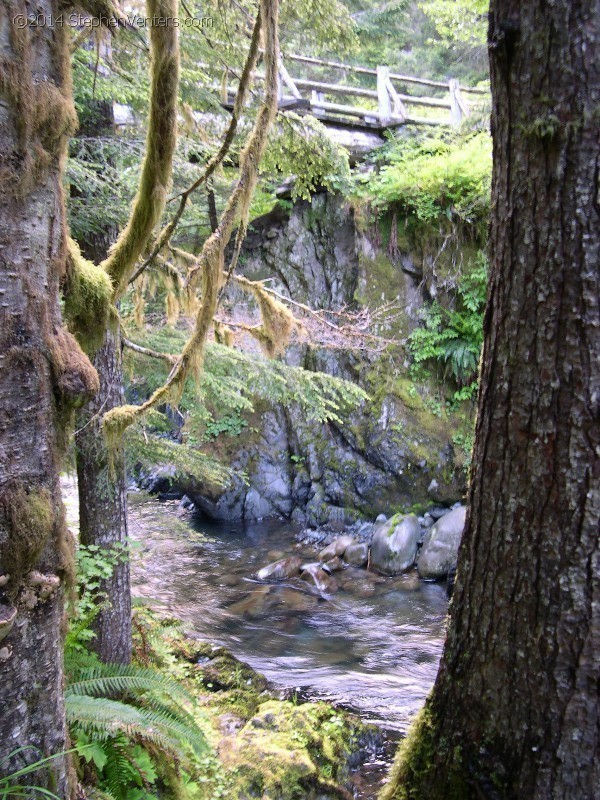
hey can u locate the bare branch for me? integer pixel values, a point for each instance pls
(146, 351)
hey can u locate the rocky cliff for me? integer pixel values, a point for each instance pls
(394, 453)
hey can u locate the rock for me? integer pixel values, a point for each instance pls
(433, 486)
(440, 547)
(293, 600)
(336, 548)
(394, 545)
(315, 575)
(409, 582)
(291, 750)
(428, 520)
(438, 512)
(253, 604)
(230, 580)
(357, 555)
(279, 570)
(333, 565)
(381, 518)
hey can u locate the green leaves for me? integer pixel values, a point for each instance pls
(452, 338)
(123, 718)
(300, 146)
(435, 177)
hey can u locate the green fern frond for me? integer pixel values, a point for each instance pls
(103, 718)
(114, 679)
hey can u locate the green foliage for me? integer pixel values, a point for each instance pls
(437, 177)
(232, 383)
(458, 21)
(100, 180)
(95, 565)
(317, 25)
(301, 147)
(126, 720)
(147, 445)
(452, 338)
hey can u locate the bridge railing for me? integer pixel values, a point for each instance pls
(389, 107)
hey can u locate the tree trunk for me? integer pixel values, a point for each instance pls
(101, 476)
(514, 711)
(43, 376)
(103, 504)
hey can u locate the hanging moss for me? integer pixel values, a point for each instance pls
(278, 322)
(223, 334)
(209, 267)
(88, 293)
(43, 111)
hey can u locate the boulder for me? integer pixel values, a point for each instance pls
(394, 545)
(357, 555)
(279, 570)
(336, 548)
(440, 546)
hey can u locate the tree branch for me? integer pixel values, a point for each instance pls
(209, 266)
(160, 145)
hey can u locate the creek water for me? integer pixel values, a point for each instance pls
(372, 647)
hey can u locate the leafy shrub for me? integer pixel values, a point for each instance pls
(439, 176)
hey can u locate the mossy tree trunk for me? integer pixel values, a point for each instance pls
(43, 376)
(514, 711)
(101, 475)
(101, 479)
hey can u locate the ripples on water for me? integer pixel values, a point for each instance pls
(372, 647)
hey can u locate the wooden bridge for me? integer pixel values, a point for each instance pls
(375, 109)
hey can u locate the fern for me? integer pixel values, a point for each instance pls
(106, 680)
(124, 716)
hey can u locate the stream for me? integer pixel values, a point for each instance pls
(372, 648)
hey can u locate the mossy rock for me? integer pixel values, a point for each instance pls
(288, 752)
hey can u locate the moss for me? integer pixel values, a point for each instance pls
(412, 775)
(43, 110)
(291, 752)
(278, 322)
(30, 519)
(155, 179)
(87, 299)
(74, 379)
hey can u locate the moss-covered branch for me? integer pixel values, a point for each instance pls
(209, 269)
(160, 145)
(217, 159)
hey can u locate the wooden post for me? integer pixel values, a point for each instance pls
(286, 78)
(398, 105)
(316, 99)
(456, 112)
(383, 95)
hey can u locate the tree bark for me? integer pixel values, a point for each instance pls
(43, 376)
(514, 712)
(102, 487)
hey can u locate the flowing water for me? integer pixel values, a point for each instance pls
(372, 647)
